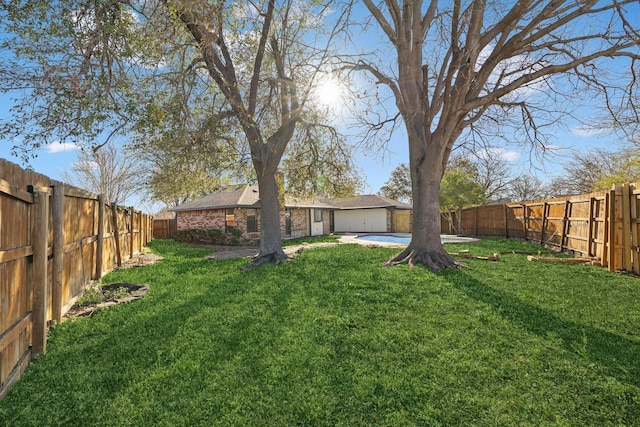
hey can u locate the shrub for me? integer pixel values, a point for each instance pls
(236, 233)
(213, 236)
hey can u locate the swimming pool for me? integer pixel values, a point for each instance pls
(404, 239)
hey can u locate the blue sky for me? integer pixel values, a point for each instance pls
(54, 159)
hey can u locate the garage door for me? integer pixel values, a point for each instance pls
(361, 221)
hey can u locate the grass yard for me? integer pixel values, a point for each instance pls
(334, 339)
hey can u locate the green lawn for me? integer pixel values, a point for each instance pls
(334, 339)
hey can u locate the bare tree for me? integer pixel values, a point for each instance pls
(528, 187)
(109, 171)
(457, 64)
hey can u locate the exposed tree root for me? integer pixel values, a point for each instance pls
(265, 259)
(434, 260)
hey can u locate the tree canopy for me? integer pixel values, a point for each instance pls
(235, 79)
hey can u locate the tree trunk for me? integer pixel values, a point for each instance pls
(425, 247)
(270, 233)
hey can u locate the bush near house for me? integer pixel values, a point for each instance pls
(214, 236)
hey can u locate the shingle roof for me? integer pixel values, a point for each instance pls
(292, 202)
(229, 196)
(367, 201)
(247, 196)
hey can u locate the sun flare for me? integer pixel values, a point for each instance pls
(329, 92)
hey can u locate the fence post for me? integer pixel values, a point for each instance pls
(58, 251)
(590, 243)
(39, 242)
(506, 221)
(100, 242)
(116, 233)
(545, 207)
(132, 222)
(611, 241)
(626, 228)
(635, 237)
(525, 219)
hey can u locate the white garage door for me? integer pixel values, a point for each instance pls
(361, 221)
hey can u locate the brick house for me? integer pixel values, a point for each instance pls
(238, 206)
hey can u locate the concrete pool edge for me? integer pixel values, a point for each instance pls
(360, 240)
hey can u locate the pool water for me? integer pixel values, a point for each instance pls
(404, 239)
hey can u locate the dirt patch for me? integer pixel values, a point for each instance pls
(141, 260)
(227, 252)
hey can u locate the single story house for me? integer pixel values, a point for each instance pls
(238, 206)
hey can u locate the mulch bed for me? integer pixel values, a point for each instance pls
(134, 291)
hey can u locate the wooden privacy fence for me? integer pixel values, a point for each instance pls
(54, 239)
(164, 228)
(601, 225)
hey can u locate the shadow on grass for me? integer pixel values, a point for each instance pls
(613, 354)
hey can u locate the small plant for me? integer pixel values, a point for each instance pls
(114, 294)
(92, 295)
(95, 294)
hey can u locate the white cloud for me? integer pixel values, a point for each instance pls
(58, 147)
(507, 155)
(586, 131)
(510, 156)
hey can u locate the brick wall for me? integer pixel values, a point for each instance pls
(299, 223)
(215, 219)
(212, 219)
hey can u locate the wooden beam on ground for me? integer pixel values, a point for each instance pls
(494, 257)
(592, 261)
(526, 252)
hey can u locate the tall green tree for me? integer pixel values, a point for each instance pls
(459, 190)
(87, 70)
(517, 63)
(398, 186)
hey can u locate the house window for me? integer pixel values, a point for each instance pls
(229, 220)
(317, 215)
(252, 220)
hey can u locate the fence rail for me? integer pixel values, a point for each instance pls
(54, 239)
(602, 225)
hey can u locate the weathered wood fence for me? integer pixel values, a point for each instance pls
(602, 225)
(164, 228)
(54, 239)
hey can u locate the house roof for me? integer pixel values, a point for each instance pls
(368, 201)
(229, 196)
(292, 202)
(247, 196)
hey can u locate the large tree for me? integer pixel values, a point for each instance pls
(516, 62)
(92, 69)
